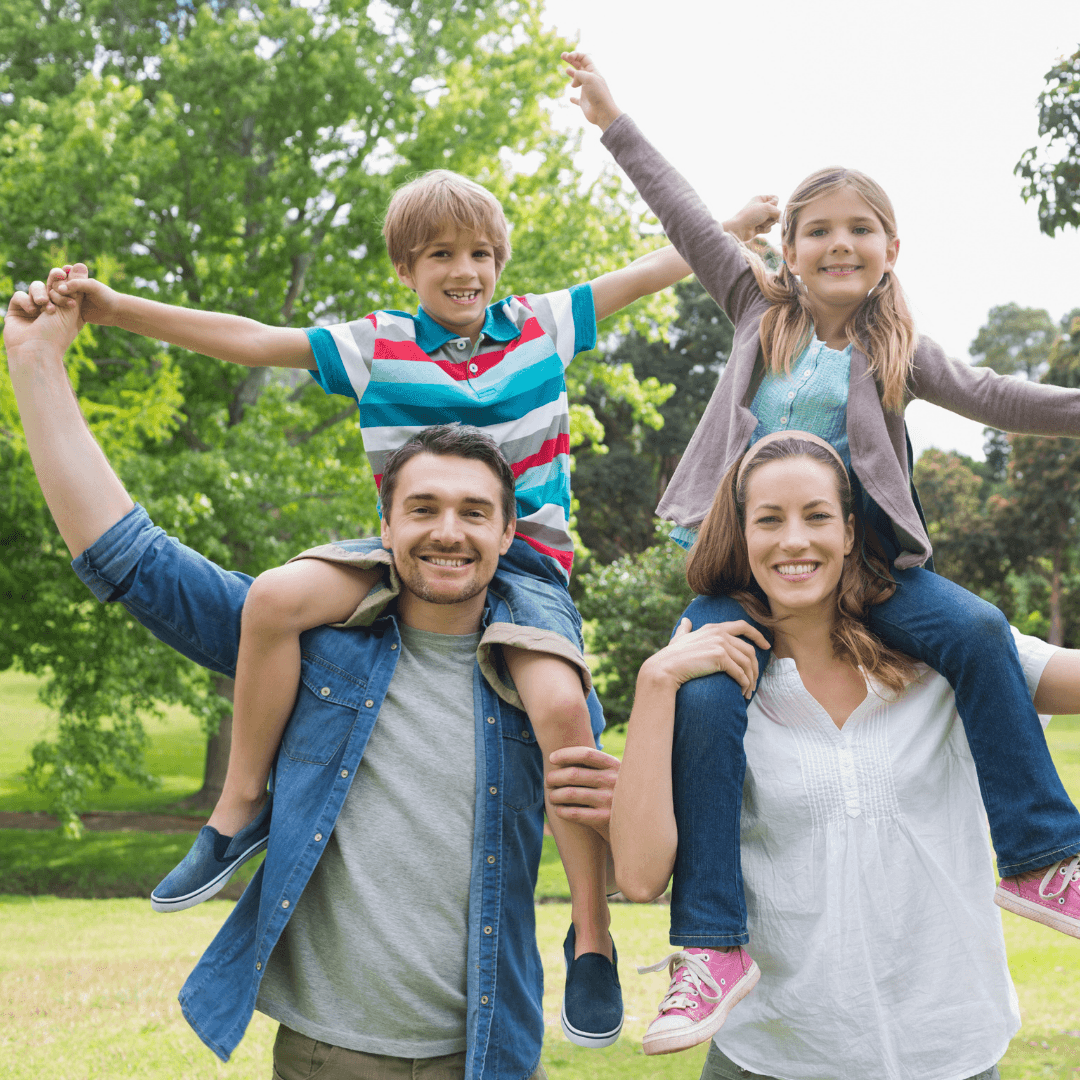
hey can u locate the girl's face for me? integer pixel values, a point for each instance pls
(840, 250)
(796, 535)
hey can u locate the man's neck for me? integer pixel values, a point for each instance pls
(452, 619)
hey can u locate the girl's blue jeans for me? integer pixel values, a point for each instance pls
(1032, 820)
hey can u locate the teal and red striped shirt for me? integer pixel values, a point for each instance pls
(406, 372)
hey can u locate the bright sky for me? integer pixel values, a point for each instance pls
(936, 99)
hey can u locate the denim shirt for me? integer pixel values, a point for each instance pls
(194, 606)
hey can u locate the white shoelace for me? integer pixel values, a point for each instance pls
(695, 974)
(1069, 872)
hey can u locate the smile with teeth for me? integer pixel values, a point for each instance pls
(796, 570)
(465, 296)
(840, 269)
(454, 561)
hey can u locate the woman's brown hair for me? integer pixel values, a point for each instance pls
(719, 565)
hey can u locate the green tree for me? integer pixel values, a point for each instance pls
(1051, 170)
(1015, 339)
(239, 158)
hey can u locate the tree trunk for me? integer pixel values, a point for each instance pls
(1057, 625)
(217, 755)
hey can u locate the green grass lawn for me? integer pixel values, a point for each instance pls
(88, 987)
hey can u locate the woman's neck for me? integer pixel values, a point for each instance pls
(836, 684)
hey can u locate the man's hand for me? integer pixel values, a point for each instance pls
(595, 98)
(581, 784)
(756, 218)
(33, 321)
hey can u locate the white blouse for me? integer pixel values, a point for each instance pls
(869, 889)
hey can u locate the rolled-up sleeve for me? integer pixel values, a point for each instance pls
(182, 598)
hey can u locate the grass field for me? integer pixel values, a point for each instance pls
(88, 987)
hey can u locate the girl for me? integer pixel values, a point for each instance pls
(864, 845)
(827, 344)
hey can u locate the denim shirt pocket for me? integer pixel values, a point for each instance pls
(523, 766)
(326, 706)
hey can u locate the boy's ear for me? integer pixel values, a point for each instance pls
(404, 276)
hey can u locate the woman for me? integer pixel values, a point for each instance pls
(865, 860)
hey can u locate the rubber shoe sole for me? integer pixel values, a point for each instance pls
(671, 1042)
(211, 888)
(1028, 909)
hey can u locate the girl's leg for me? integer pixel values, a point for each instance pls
(708, 764)
(282, 603)
(1033, 823)
(552, 694)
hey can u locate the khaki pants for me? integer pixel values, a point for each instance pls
(296, 1057)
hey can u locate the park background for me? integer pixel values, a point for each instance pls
(239, 157)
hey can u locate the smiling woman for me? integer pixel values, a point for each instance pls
(862, 847)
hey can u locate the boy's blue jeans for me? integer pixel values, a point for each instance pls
(1032, 820)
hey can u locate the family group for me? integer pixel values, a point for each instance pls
(811, 762)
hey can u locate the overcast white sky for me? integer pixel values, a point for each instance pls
(936, 99)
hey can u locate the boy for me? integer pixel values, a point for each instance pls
(500, 368)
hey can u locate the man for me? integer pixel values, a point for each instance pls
(391, 926)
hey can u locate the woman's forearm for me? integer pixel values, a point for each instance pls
(643, 832)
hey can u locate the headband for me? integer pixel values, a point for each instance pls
(780, 436)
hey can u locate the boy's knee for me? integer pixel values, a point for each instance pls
(272, 601)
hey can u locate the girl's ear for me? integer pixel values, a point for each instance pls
(892, 250)
(789, 258)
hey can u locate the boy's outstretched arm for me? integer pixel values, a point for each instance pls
(84, 494)
(225, 337)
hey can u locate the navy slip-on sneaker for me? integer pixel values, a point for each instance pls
(212, 860)
(592, 1008)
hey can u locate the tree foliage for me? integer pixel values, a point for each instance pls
(1051, 170)
(1015, 340)
(239, 158)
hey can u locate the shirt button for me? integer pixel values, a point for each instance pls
(392, 648)
(484, 1000)
(487, 929)
(783, 420)
(368, 703)
(258, 965)
(491, 860)
(460, 344)
(318, 837)
(493, 791)
(491, 719)
(525, 734)
(792, 394)
(325, 691)
(473, 369)
(344, 773)
(284, 903)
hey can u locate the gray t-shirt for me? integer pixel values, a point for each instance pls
(374, 956)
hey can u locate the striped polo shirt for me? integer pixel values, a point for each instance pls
(406, 372)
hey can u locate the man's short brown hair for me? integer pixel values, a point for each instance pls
(420, 209)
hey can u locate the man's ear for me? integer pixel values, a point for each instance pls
(404, 276)
(508, 536)
(384, 530)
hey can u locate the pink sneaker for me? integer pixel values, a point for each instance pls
(705, 984)
(1055, 901)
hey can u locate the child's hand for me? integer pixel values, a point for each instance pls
(33, 320)
(595, 98)
(756, 218)
(100, 304)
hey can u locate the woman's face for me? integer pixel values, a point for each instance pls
(796, 535)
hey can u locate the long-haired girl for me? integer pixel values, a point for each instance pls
(827, 345)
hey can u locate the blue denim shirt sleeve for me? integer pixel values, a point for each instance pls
(182, 598)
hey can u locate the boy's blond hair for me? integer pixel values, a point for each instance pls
(420, 209)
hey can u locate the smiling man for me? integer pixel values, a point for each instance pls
(391, 928)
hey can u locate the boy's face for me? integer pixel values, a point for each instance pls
(454, 276)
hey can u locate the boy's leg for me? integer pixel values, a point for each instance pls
(551, 692)
(1033, 823)
(282, 604)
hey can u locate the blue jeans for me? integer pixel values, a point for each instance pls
(1032, 820)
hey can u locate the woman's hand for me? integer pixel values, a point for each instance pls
(713, 648)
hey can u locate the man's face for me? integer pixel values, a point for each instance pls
(446, 531)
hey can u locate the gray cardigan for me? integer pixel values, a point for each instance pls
(877, 438)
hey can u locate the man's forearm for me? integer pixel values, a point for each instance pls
(223, 336)
(84, 494)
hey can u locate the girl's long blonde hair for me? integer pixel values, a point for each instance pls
(882, 325)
